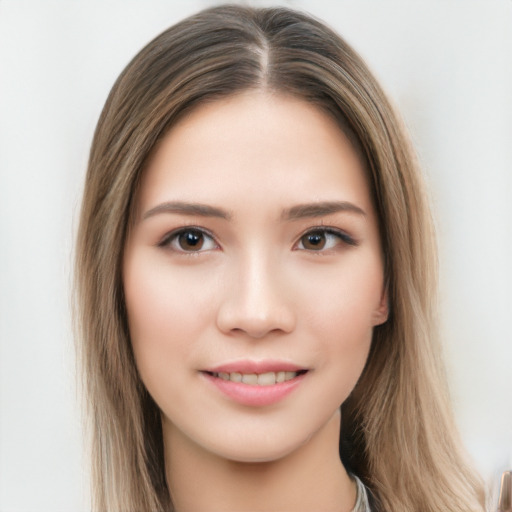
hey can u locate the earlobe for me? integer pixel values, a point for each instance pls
(381, 314)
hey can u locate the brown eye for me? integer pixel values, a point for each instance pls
(323, 239)
(314, 241)
(191, 240)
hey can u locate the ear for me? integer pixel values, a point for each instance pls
(381, 313)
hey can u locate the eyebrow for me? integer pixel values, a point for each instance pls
(201, 210)
(308, 210)
(300, 211)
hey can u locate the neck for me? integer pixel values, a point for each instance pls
(310, 478)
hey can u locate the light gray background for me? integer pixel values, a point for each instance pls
(446, 64)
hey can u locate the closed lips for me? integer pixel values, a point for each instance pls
(258, 379)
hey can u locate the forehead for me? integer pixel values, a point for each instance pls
(259, 147)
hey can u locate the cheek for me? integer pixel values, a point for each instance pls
(340, 314)
(345, 299)
(163, 315)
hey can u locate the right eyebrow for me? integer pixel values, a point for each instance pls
(303, 211)
(184, 208)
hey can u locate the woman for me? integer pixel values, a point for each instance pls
(256, 280)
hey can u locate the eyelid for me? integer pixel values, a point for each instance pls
(169, 237)
(343, 236)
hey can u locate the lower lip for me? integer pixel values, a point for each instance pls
(255, 396)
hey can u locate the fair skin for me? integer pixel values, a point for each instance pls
(254, 252)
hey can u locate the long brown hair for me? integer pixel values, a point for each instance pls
(398, 434)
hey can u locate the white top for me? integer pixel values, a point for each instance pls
(362, 504)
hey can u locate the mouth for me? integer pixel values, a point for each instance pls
(256, 384)
(258, 379)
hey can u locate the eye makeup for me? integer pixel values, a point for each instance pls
(194, 239)
(189, 239)
(323, 238)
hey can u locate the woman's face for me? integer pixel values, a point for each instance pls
(253, 275)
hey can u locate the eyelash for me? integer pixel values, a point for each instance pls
(342, 237)
(171, 240)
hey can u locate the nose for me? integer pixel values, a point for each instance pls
(257, 301)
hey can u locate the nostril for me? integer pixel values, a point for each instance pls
(255, 309)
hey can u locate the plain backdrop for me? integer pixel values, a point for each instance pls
(446, 64)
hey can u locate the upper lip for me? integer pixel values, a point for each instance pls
(248, 366)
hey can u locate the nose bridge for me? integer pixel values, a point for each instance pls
(257, 301)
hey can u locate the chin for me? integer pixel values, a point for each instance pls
(265, 447)
(265, 452)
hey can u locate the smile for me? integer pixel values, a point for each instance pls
(255, 384)
(262, 379)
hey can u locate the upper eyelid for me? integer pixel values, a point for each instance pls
(318, 228)
(327, 229)
(173, 233)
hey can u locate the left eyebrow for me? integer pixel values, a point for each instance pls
(302, 211)
(183, 208)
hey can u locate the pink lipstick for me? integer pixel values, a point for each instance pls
(256, 383)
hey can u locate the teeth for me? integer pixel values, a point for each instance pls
(267, 379)
(253, 379)
(235, 377)
(250, 378)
